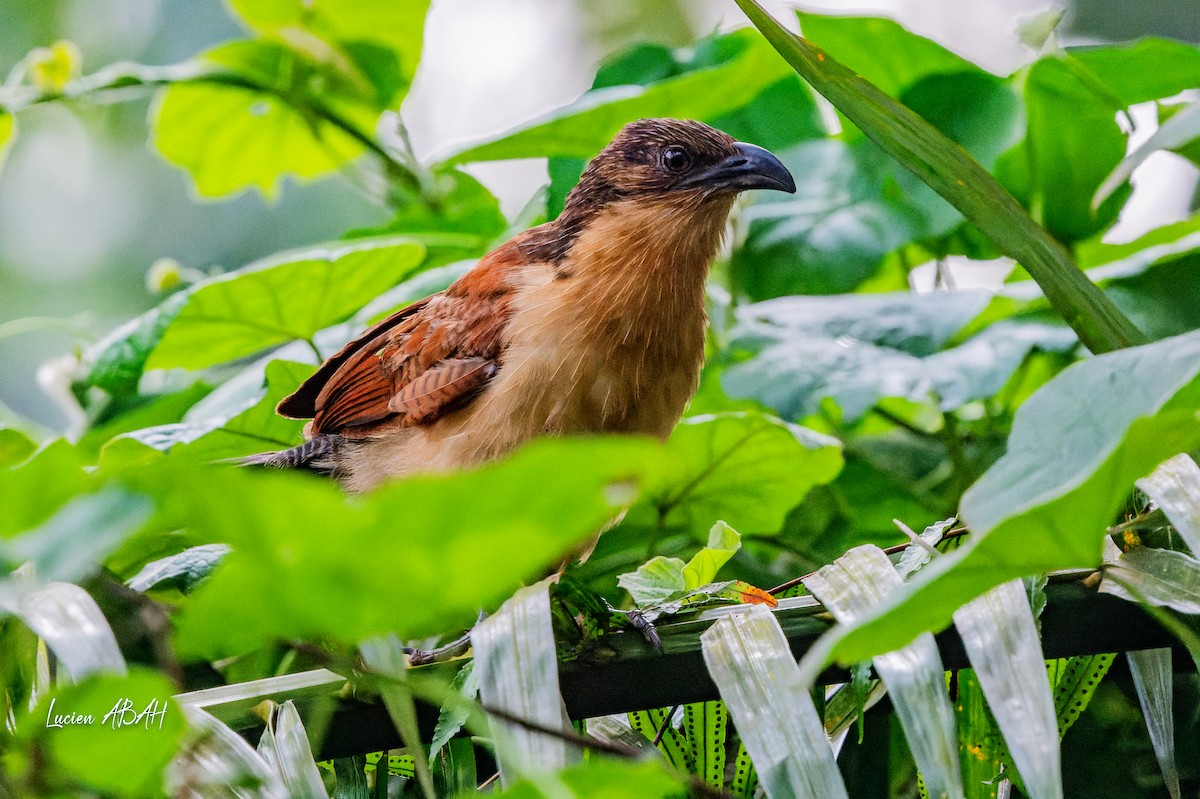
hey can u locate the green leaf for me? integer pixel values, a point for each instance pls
(704, 723)
(500, 525)
(723, 543)
(833, 233)
(117, 361)
(280, 299)
(881, 51)
(1075, 680)
(463, 207)
(15, 447)
(606, 778)
(859, 349)
(956, 176)
(71, 544)
(581, 130)
(452, 716)
(8, 132)
(35, 489)
(1153, 678)
(1073, 142)
(1046, 503)
(746, 468)
(184, 570)
(398, 26)
(1157, 577)
(115, 751)
(1147, 69)
(235, 137)
(657, 580)
(255, 429)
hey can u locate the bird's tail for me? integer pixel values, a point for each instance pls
(315, 455)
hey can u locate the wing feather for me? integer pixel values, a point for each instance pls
(418, 364)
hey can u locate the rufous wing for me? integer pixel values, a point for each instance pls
(418, 364)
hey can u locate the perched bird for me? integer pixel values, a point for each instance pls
(591, 323)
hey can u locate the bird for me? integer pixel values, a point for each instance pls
(591, 323)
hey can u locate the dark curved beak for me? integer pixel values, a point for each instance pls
(751, 167)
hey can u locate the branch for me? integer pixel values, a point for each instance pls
(140, 76)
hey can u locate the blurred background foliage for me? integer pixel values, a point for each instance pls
(864, 308)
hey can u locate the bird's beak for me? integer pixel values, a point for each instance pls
(751, 167)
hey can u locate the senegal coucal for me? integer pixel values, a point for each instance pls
(591, 323)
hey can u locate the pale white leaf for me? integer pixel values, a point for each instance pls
(749, 659)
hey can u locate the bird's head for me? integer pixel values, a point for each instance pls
(678, 160)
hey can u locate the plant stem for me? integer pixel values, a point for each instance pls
(129, 75)
(947, 169)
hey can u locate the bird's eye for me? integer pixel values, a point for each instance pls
(676, 159)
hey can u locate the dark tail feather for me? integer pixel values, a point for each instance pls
(314, 455)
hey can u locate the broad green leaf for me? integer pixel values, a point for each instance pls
(944, 166)
(72, 543)
(811, 349)
(15, 447)
(232, 137)
(833, 233)
(1153, 679)
(255, 429)
(134, 731)
(397, 25)
(280, 299)
(1076, 447)
(459, 204)
(8, 132)
(851, 588)
(516, 664)
(672, 744)
(35, 489)
(1143, 70)
(605, 778)
(661, 579)
(117, 361)
(657, 580)
(881, 51)
(581, 130)
(748, 469)
(1072, 143)
(723, 543)
(749, 659)
(500, 525)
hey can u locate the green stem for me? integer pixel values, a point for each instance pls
(134, 76)
(947, 168)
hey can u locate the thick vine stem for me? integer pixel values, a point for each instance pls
(128, 75)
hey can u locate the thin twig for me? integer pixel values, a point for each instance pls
(658, 736)
(570, 736)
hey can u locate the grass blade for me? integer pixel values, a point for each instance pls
(851, 587)
(1152, 677)
(1002, 642)
(947, 168)
(517, 668)
(749, 660)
